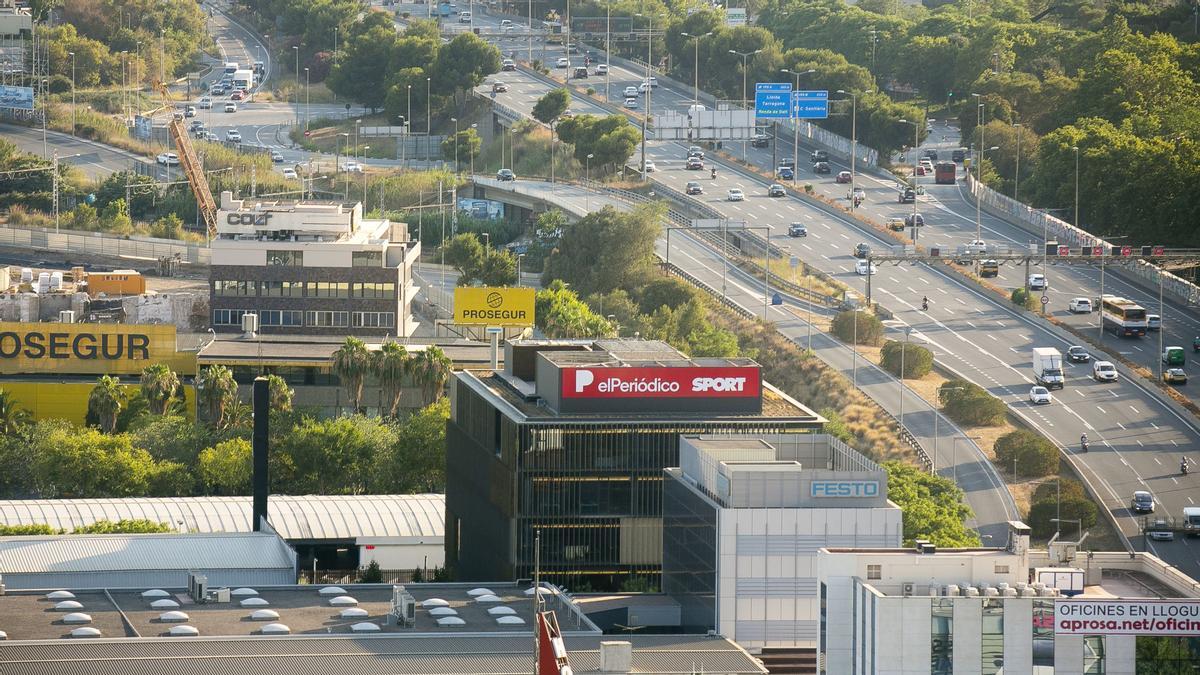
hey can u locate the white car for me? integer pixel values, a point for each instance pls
(1104, 371)
(464, 17)
(645, 86)
(168, 159)
(562, 62)
(1080, 306)
(231, 107)
(602, 69)
(864, 268)
(506, 24)
(508, 65)
(649, 167)
(1037, 282)
(653, 81)
(289, 172)
(631, 103)
(205, 103)
(735, 195)
(976, 247)
(631, 92)
(352, 166)
(1039, 395)
(858, 193)
(233, 136)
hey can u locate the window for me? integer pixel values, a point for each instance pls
(282, 289)
(328, 319)
(383, 291)
(992, 639)
(277, 317)
(235, 288)
(228, 317)
(374, 319)
(1093, 655)
(366, 259)
(286, 258)
(327, 289)
(1043, 632)
(941, 635)
(874, 571)
(1001, 569)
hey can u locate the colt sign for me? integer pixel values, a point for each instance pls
(660, 382)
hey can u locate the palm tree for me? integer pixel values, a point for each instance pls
(431, 369)
(159, 384)
(217, 391)
(12, 416)
(279, 393)
(351, 363)
(391, 366)
(105, 402)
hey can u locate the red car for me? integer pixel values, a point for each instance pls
(695, 163)
(237, 96)
(843, 177)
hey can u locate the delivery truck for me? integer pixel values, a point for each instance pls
(1048, 367)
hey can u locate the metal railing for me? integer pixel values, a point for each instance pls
(100, 243)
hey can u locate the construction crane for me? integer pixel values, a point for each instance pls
(190, 163)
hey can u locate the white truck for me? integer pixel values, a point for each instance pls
(243, 79)
(1048, 367)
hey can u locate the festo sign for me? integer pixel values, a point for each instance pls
(660, 382)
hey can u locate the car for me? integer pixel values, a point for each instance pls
(189, 111)
(289, 172)
(630, 92)
(1104, 371)
(178, 115)
(914, 220)
(352, 166)
(602, 69)
(694, 164)
(1173, 356)
(989, 268)
(976, 247)
(211, 137)
(649, 167)
(631, 103)
(760, 140)
(843, 177)
(1174, 376)
(1040, 396)
(735, 195)
(168, 159)
(581, 73)
(819, 156)
(1142, 502)
(217, 90)
(930, 155)
(506, 24)
(230, 107)
(958, 155)
(653, 81)
(693, 188)
(1079, 306)
(195, 124)
(920, 169)
(562, 62)
(927, 165)
(695, 151)
(797, 230)
(1160, 531)
(508, 65)
(205, 103)
(237, 95)
(895, 224)
(862, 250)
(859, 194)
(789, 162)
(499, 87)
(865, 268)
(1153, 322)
(821, 167)
(907, 196)
(505, 175)
(1078, 354)
(786, 173)
(464, 17)
(1037, 282)
(233, 136)
(645, 86)
(776, 190)
(276, 156)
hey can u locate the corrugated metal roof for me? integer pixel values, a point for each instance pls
(293, 517)
(113, 552)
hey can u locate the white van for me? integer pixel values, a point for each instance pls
(1104, 371)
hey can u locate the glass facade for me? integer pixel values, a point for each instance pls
(690, 554)
(1168, 655)
(1043, 632)
(1093, 655)
(992, 642)
(941, 637)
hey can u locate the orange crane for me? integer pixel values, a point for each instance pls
(190, 163)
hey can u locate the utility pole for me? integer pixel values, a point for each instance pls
(745, 60)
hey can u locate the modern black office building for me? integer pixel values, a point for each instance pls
(571, 439)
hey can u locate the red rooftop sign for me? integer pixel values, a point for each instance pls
(661, 382)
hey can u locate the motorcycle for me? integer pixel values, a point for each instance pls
(1083, 445)
(924, 305)
(1183, 468)
(714, 174)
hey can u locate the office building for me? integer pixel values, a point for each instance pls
(743, 520)
(314, 268)
(571, 440)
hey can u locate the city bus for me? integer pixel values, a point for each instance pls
(554, 32)
(1125, 318)
(943, 173)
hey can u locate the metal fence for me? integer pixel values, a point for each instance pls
(99, 243)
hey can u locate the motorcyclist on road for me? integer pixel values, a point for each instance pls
(1083, 442)
(925, 303)
(1183, 465)
(714, 173)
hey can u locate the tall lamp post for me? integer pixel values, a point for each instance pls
(745, 71)
(796, 124)
(907, 332)
(587, 179)
(1017, 172)
(428, 107)
(471, 151)
(853, 136)
(1076, 150)
(455, 120)
(296, 50)
(696, 65)
(916, 159)
(980, 112)
(649, 89)
(72, 92)
(307, 84)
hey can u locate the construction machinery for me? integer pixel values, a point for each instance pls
(190, 163)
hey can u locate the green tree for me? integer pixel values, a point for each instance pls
(30, 530)
(335, 456)
(360, 71)
(868, 331)
(115, 217)
(462, 146)
(106, 401)
(279, 393)
(217, 391)
(416, 462)
(351, 363)
(372, 574)
(933, 507)
(551, 104)
(124, 526)
(968, 403)
(170, 437)
(559, 313)
(606, 250)
(463, 63)
(13, 418)
(226, 468)
(465, 253)
(391, 369)
(431, 370)
(80, 463)
(610, 140)
(1030, 453)
(918, 361)
(159, 384)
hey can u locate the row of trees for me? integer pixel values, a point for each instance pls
(394, 368)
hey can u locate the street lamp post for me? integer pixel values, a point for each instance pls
(980, 112)
(587, 179)
(519, 257)
(296, 50)
(745, 72)
(907, 332)
(408, 103)
(1017, 172)
(72, 92)
(1076, 149)
(607, 47)
(916, 159)
(796, 126)
(696, 65)
(649, 89)
(455, 120)
(1078, 523)
(307, 84)
(853, 139)
(471, 152)
(428, 107)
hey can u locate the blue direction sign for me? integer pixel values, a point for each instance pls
(772, 100)
(810, 105)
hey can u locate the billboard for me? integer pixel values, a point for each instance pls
(20, 98)
(600, 24)
(89, 348)
(662, 382)
(735, 16)
(481, 209)
(488, 306)
(1127, 617)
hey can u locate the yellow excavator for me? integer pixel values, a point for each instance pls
(190, 163)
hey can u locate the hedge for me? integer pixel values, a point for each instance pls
(1030, 453)
(918, 361)
(1023, 298)
(968, 403)
(869, 332)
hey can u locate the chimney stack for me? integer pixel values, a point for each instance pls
(261, 479)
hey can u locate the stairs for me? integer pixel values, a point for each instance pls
(789, 660)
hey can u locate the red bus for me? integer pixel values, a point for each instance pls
(943, 173)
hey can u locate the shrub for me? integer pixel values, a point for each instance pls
(968, 403)
(868, 332)
(372, 574)
(918, 361)
(1023, 298)
(1049, 491)
(1041, 516)
(1030, 453)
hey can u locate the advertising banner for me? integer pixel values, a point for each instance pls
(89, 348)
(486, 306)
(735, 16)
(20, 98)
(1127, 617)
(481, 209)
(662, 382)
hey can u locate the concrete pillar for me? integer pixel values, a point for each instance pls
(968, 633)
(1120, 654)
(1068, 655)
(1018, 635)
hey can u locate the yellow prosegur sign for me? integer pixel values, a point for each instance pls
(89, 348)
(484, 306)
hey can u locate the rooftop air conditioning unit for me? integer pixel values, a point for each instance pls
(991, 592)
(66, 316)
(951, 590)
(906, 589)
(221, 595)
(970, 592)
(404, 607)
(249, 324)
(198, 587)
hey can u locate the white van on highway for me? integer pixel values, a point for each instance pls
(1104, 371)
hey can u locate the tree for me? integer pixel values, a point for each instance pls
(159, 385)
(933, 507)
(968, 403)
(360, 70)
(463, 63)
(462, 146)
(80, 463)
(13, 418)
(857, 327)
(610, 140)
(105, 402)
(1031, 454)
(335, 456)
(226, 468)
(217, 390)
(552, 104)
(391, 366)
(279, 393)
(124, 526)
(559, 313)
(416, 462)
(465, 253)
(372, 574)
(169, 437)
(431, 370)
(418, 575)
(918, 361)
(606, 250)
(351, 363)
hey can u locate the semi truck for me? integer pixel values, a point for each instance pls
(1048, 368)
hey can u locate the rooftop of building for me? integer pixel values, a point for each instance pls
(302, 221)
(317, 350)
(292, 516)
(382, 655)
(305, 610)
